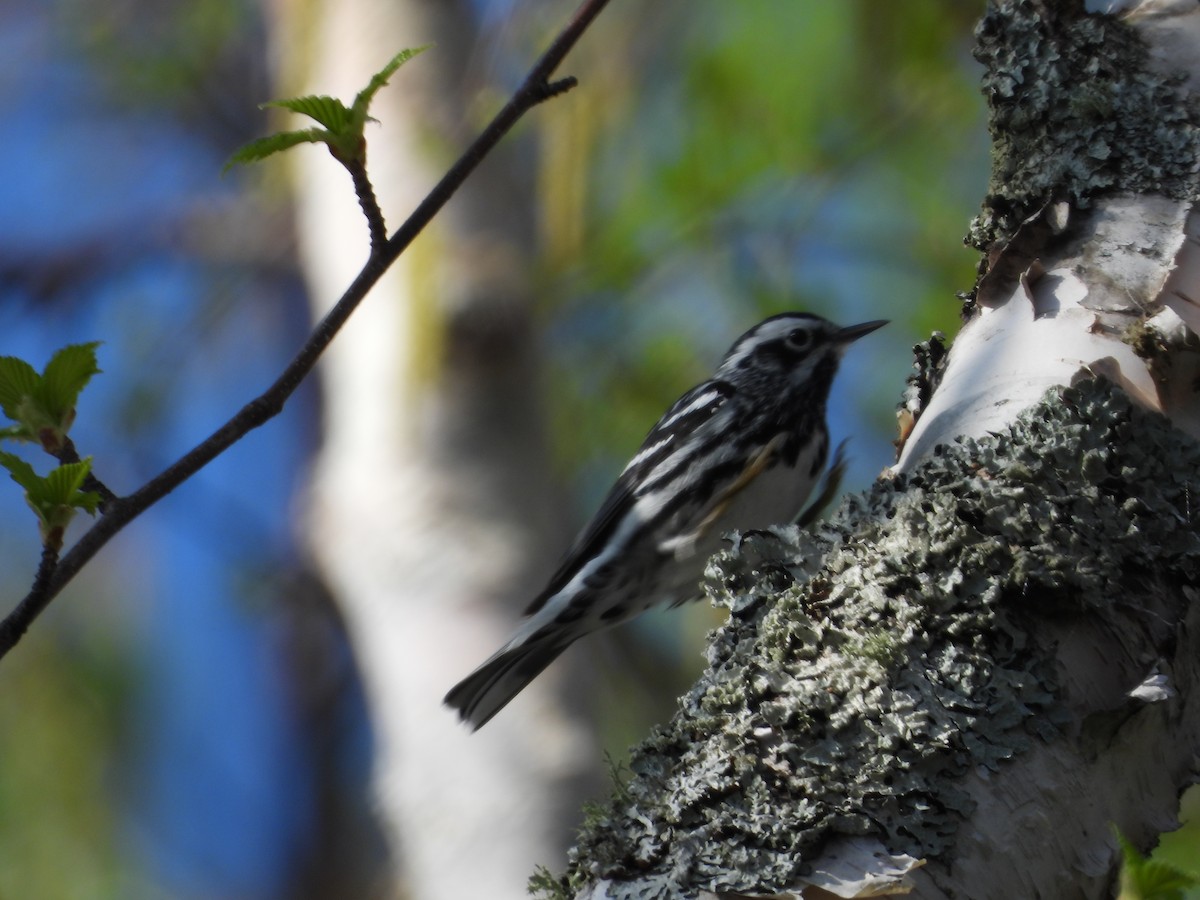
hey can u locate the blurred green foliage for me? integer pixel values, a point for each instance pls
(202, 63)
(758, 152)
(1181, 848)
(1155, 877)
(62, 721)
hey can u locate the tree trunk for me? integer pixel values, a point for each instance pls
(430, 511)
(972, 674)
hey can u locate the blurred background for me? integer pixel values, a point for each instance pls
(205, 711)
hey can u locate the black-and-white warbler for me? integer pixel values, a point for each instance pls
(740, 451)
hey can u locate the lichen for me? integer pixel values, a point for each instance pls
(1075, 113)
(867, 665)
(930, 359)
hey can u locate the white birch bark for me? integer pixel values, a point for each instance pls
(1065, 292)
(430, 511)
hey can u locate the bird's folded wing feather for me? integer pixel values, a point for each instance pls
(687, 414)
(683, 545)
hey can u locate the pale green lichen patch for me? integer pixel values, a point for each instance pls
(848, 701)
(1075, 113)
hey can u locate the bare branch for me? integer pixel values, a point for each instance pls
(17, 622)
(370, 205)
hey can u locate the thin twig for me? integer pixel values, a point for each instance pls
(17, 622)
(535, 89)
(370, 205)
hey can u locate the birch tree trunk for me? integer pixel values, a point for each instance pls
(962, 683)
(430, 511)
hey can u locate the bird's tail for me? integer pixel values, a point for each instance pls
(489, 688)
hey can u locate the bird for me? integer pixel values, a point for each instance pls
(740, 451)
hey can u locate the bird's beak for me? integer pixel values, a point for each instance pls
(854, 332)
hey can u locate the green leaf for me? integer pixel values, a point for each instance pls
(67, 373)
(55, 498)
(328, 111)
(1151, 879)
(343, 126)
(264, 147)
(363, 101)
(20, 471)
(43, 406)
(18, 380)
(63, 486)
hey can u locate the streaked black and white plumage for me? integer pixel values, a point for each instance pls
(740, 451)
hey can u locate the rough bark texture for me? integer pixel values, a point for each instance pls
(1076, 111)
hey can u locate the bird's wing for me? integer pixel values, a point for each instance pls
(684, 545)
(687, 414)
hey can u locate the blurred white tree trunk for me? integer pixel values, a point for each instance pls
(430, 510)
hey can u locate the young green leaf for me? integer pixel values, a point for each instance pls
(328, 111)
(273, 143)
(55, 498)
(65, 376)
(363, 100)
(1151, 879)
(20, 471)
(343, 126)
(18, 380)
(43, 406)
(64, 486)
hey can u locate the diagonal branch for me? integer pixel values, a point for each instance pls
(119, 512)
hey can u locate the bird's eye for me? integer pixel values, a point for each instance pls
(800, 339)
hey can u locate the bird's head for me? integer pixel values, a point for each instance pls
(790, 353)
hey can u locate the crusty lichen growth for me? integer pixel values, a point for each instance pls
(1074, 113)
(929, 365)
(847, 701)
